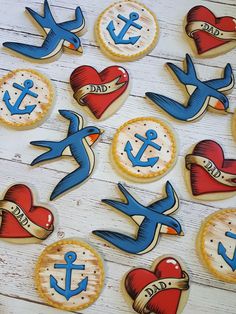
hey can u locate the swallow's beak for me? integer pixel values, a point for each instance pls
(80, 49)
(101, 131)
(181, 233)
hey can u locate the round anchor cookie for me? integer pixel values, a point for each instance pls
(127, 30)
(144, 149)
(26, 97)
(216, 244)
(69, 275)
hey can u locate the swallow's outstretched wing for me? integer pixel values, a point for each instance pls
(71, 180)
(47, 20)
(196, 105)
(145, 241)
(166, 205)
(76, 25)
(223, 84)
(187, 78)
(76, 120)
(55, 151)
(50, 47)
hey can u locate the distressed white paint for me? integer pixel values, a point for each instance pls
(80, 211)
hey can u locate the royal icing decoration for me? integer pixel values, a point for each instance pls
(144, 148)
(58, 35)
(211, 175)
(212, 35)
(26, 97)
(20, 219)
(69, 275)
(127, 30)
(151, 221)
(77, 144)
(216, 243)
(202, 94)
(102, 93)
(163, 289)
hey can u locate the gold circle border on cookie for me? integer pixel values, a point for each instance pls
(200, 244)
(119, 56)
(38, 280)
(138, 176)
(45, 107)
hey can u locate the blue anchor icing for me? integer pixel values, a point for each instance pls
(151, 221)
(58, 35)
(25, 90)
(147, 141)
(120, 38)
(69, 266)
(222, 252)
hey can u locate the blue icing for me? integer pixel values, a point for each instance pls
(202, 93)
(222, 252)
(120, 38)
(58, 35)
(147, 141)
(25, 90)
(70, 258)
(149, 219)
(78, 148)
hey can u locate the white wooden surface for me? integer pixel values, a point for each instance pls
(80, 211)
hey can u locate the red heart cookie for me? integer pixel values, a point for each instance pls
(100, 91)
(210, 172)
(19, 214)
(159, 299)
(208, 31)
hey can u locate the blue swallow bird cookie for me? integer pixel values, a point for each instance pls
(58, 35)
(127, 30)
(151, 220)
(26, 97)
(77, 145)
(202, 94)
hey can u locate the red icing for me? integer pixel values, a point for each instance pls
(166, 301)
(204, 40)
(22, 196)
(85, 75)
(201, 181)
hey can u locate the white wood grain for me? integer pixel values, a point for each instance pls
(81, 211)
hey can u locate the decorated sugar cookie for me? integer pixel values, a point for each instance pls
(144, 149)
(202, 94)
(210, 176)
(58, 35)
(151, 221)
(127, 30)
(77, 144)
(26, 97)
(212, 35)
(69, 275)
(163, 289)
(216, 244)
(101, 93)
(21, 220)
